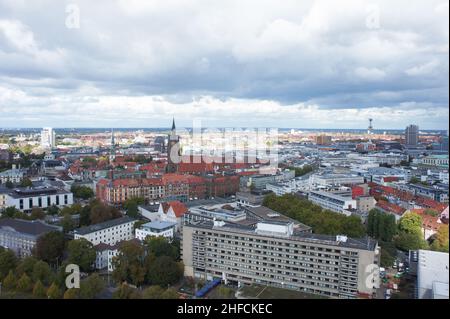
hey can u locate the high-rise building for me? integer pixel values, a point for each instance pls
(323, 140)
(412, 135)
(48, 138)
(275, 254)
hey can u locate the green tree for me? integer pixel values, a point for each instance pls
(8, 262)
(131, 206)
(91, 287)
(50, 247)
(72, 293)
(440, 239)
(321, 221)
(82, 192)
(9, 184)
(10, 281)
(53, 210)
(42, 272)
(164, 271)
(82, 253)
(389, 227)
(26, 182)
(26, 266)
(160, 246)
(39, 290)
(153, 292)
(54, 292)
(101, 213)
(37, 213)
(411, 223)
(24, 284)
(126, 292)
(409, 241)
(170, 293)
(9, 212)
(388, 254)
(129, 263)
(67, 223)
(352, 226)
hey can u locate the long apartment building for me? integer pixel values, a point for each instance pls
(168, 187)
(274, 254)
(334, 202)
(109, 232)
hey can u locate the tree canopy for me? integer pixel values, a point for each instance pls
(81, 252)
(50, 247)
(322, 221)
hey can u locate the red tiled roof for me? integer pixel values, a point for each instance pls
(178, 208)
(428, 221)
(389, 207)
(389, 179)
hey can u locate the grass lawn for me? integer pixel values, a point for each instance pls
(262, 292)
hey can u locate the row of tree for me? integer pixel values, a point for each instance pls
(154, 263)
(33, 276)
(82, 192)
(405, 235)
(322, 221)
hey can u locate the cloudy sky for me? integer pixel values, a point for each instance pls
(236, 63)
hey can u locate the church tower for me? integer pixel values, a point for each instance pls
(112, 155)
(173, 150)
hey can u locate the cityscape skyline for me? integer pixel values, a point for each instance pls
(242, 150)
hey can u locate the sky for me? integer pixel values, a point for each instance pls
(233, 63)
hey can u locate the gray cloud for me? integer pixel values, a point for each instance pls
(346, 57)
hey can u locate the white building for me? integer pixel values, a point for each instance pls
(172, 211)
(443, 176)
(109, 232)
(281, 189)
(3, 193)
(326, 180)
(48, 138)
(432, 275)
(104, 256)
(333, 202)
(24, 199)
(13, 175)
(156, 229)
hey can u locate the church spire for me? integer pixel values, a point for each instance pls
(173, 124)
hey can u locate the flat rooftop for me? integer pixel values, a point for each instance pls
(362, 243)
(158, 225)
(266, 214)
(108, 224)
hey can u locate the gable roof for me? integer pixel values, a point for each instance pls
(178, 208)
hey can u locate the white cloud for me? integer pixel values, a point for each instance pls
(424, 69)
(370, 74)
(131, 56)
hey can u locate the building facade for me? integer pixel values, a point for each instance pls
(25, 199)
(412, 135)
(333, 202)
(21, 235)
(156, 229)
(274, 255)
(109, 232)
(48, 138)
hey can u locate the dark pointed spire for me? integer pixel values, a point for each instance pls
(173, 124)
